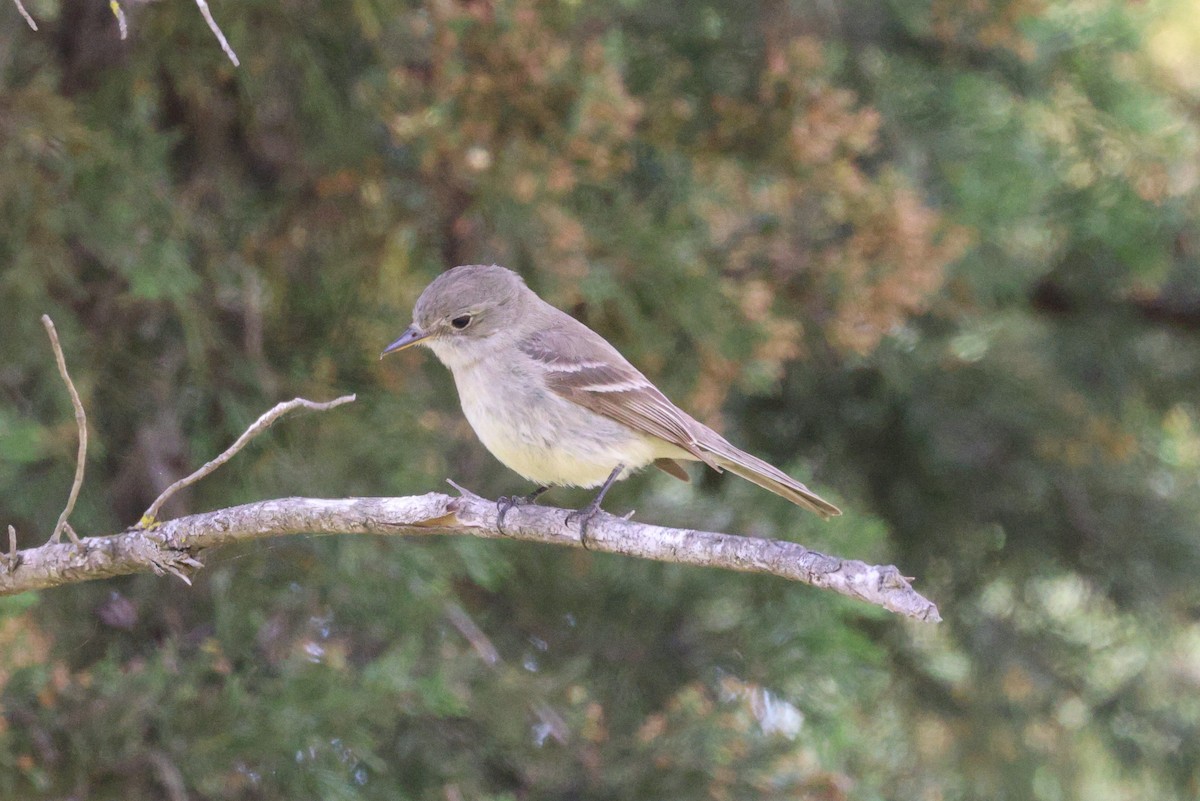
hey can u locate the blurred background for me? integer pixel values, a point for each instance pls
(939, 260)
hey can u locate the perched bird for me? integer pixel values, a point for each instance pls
(553, 401)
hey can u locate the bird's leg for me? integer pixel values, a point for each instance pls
(506, 502)
(586, 514)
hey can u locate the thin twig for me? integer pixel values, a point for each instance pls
(259, 425)
(25, 14)
(216, 29)
(471, 632)
(170, 776)
(81, 424)
(119, 13)
(552, 723)
(9, 560)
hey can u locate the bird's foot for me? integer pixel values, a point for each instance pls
(585, 516)
(505, 503)
(589, 512)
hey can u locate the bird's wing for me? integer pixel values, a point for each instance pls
(595, 376)
(583, 368)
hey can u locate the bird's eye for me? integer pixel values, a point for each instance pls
(461, 322)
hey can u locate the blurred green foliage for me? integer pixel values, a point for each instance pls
(941, 258)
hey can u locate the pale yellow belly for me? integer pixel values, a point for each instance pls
(550, 440)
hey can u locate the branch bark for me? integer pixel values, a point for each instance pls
(176, 546)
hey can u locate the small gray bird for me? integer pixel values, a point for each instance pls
(553, 401)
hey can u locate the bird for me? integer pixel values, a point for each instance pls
(556, 403)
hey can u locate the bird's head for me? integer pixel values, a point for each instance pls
(463, 306)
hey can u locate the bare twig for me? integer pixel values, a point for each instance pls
(81, 424)
(25, 14)
(176, 544)
(119, 13)
(9, 560)
(216, 29)
(170, 776)
(260, 425)
(551, 723)
(471, 632)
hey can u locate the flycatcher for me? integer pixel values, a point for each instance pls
(553, 401)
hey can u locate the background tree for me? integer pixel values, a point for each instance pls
(942, 258)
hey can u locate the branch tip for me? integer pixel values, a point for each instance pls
(25, 14)
(9, 560)
(177, 573)
(216, 29)
(463, 491)
(119, 13)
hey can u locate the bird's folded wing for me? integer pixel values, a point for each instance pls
(608, 385)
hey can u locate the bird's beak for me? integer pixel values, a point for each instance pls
(411, 336)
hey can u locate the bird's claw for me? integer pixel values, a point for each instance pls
(588, 512)
(585, 517)
(505, 503)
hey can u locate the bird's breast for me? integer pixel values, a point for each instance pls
(539, 434)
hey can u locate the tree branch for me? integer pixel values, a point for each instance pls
(176, 545)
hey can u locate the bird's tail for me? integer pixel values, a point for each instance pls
(767, 476)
